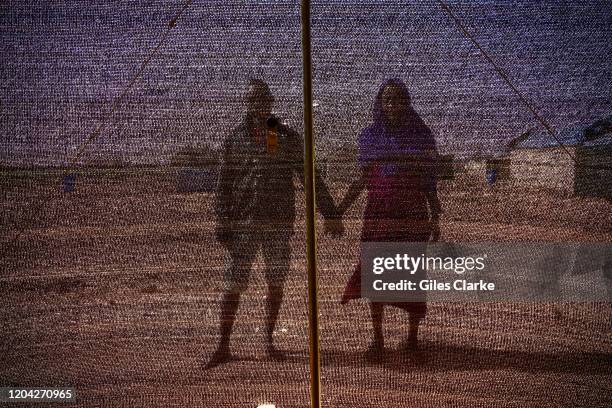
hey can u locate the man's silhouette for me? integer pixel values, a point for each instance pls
(256, 209)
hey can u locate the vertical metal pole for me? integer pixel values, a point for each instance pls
(309, 186)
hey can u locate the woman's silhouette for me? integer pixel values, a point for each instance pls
(397, 157)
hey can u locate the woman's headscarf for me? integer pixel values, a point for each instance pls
(377, 142)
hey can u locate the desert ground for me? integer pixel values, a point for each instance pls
(113, 289)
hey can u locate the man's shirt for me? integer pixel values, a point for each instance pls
(256, 181)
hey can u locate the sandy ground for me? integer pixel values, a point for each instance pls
(114, 290)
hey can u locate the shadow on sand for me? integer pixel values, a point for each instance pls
(443, 357)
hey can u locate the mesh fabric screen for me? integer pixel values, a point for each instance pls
(112, 274)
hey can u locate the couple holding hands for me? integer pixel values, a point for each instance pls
(255, 203)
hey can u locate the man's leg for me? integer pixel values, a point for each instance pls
(277, 256)
(273, 304)
(229, 306)
(236, 276)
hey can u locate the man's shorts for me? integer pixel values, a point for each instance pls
(245, 245)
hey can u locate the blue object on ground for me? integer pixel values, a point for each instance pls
(491, 176)
(69, 182)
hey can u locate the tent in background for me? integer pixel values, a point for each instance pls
(538, 162)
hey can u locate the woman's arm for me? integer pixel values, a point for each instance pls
(435, 209)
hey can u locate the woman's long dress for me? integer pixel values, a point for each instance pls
(396, 211)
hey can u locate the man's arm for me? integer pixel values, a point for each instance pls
(324, 199)
(354, 190)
